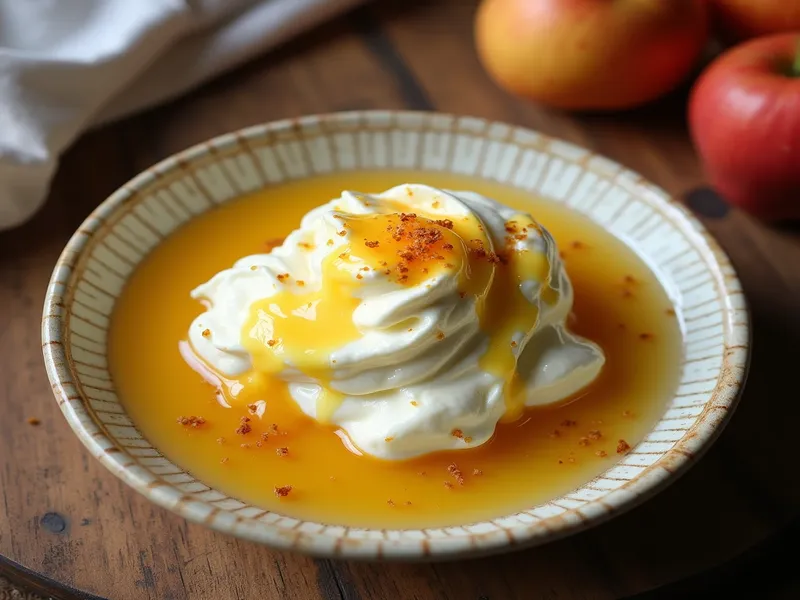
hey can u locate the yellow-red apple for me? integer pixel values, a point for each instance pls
(590, 54)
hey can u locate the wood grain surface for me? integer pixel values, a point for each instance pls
(70, 529)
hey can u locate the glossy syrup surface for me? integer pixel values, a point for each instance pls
(545, 453)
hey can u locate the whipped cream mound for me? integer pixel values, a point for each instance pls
(414, 319)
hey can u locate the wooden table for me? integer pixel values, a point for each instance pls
(76, 527)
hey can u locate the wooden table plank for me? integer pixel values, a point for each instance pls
(103, 538)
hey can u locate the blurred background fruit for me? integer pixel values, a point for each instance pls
(738, 20)
(590, 54)
(744, 116)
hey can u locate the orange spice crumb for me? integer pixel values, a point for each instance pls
(456, 473)
(306, 245)
(388, 439)
(646, 336)
(220, 440)
(414, 403)
(601, 453)
(423, 473)
(629, 279)
(577, 244)
(568, 423)
(244, 426)
(206, 333)
(623, 447)
(584, 441)
(341, 233)
(467, 439)
(34, 421)
(191, 421)
(408, 502)
(595, 434)
(439, 335)
(224, 460)
(390, 502)
(371, 243)
(478, 251)
(448, 485)
(282, 277)
(329, 242)
(555, 433)
(282, 491)
(446, 223)
(670, 312)
(359, 276)
(270, 244)
(253, 268)
(252, 407)
(477, 472)
(273, 429)
(271, 343)
(300, 282)
(457, 433)
(419, 242)
(513, 344)
(436, 204)
(245, 446)
(282, 451)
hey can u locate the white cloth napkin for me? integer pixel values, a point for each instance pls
(67, 65)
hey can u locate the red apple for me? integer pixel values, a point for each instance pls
(590, 54)
(744, 115)
(743, 19)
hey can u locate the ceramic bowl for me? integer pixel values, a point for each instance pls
(136, 218)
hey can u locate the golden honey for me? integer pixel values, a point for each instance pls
(540, 455)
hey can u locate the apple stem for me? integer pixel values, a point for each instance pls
(796, 63)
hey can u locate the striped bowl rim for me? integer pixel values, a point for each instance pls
(534, 526)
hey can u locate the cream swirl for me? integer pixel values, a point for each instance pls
(414, 319)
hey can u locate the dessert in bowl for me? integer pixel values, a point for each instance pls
(391, 334)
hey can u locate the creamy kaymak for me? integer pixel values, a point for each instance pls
(414, 319)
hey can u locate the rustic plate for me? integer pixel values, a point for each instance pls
(92, 270)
